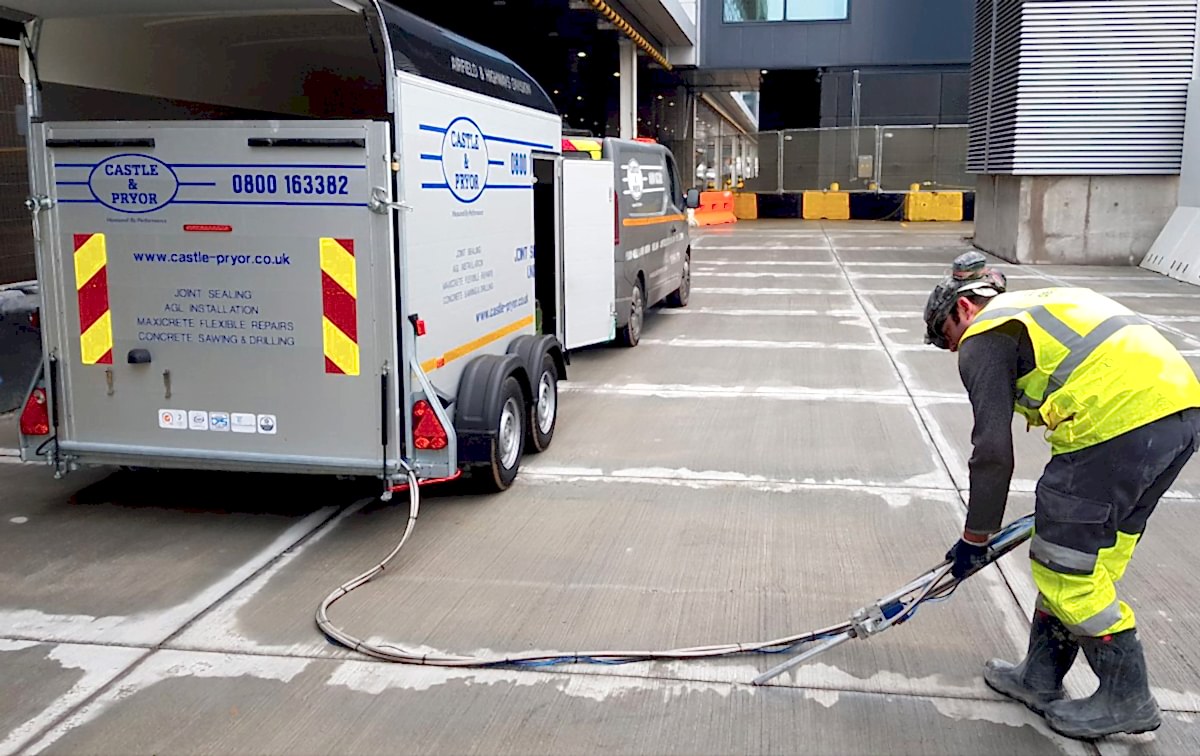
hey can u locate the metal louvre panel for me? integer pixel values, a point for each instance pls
(1080, 87)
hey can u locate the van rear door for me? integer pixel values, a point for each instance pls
(223, 292)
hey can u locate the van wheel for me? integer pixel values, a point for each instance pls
(543, 411)
(679, 297)
(509, 443)
(631, 334)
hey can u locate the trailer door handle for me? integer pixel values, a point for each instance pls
(381, 204)
(61, 143)
(305, 142)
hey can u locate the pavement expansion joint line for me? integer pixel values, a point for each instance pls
(921, 419)
(897, 488)
(233, 590)
(150, 650)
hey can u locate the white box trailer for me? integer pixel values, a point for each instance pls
(289, 235)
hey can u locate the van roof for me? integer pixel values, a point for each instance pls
(418, 46)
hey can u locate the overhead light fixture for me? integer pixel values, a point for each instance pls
(671, 103)
(581, 54)
(617, 74)
(763, 71)
(579, 97)
(556, 91)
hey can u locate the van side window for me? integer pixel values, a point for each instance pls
(673, 178)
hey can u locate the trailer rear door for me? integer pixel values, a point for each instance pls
(223, 294)
(589, 270)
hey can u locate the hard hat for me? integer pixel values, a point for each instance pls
(969, 275)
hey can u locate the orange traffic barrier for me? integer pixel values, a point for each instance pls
(716, 208)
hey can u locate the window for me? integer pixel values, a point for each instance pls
(673, 182)
(785, 10)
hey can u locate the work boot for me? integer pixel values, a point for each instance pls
(1122, 703)
(1038, 679)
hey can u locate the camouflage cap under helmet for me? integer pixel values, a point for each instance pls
(969, 274)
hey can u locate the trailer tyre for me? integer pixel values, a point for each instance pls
(509, 443)
(543, 410)
(631, 334)
(679, 297)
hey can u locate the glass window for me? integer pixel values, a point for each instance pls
(785, 10)
(816, 10)
(673, 182)
(754, 10)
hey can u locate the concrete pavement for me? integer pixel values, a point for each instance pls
(768, 459)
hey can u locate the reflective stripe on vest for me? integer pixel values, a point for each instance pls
(1128, 377)
(1079, 348)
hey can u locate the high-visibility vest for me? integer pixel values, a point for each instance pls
(1102, 369)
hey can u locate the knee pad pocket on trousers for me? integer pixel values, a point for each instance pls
(1067, 527)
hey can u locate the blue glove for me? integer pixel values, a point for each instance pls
(967, 557)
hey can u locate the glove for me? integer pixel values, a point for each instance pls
(966, 557)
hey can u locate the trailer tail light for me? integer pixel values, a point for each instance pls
(35, 319)
(616, 220)
(35, 418)
(428, 432)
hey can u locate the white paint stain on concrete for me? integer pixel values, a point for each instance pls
(772, 274)
(18, 520)
(754, 292)
(15, 645)
(219, 629)
(374, 679)
(696, 391)
(167, 665)
(826, 698)
(766, 263)
(702, 479)
(99, 666)
(858, 317)
(1008, 714)
(154, 627)
(844, 346)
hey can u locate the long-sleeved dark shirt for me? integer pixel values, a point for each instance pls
(989, 365)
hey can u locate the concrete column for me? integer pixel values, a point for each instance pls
(627, 53)
(1073, 220)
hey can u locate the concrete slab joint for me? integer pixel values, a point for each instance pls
(1078, 220)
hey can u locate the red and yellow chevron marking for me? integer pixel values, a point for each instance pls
(91, 283)
(339, 299)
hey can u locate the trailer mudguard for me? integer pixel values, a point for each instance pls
(478, 403)
(531, 348)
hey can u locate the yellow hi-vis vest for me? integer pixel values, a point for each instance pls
(1101, 369)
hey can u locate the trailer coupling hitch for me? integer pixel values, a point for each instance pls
(900, 605)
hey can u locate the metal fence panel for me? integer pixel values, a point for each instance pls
(769, 177)
(871, 158)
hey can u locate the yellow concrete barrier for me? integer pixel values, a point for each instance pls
(932, 206)
(745, 205)
(826, 205)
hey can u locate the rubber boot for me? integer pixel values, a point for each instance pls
(1122, 703)
(1037, 680)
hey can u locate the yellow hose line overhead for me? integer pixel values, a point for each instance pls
(603, 9)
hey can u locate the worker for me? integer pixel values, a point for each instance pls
(1119, 407)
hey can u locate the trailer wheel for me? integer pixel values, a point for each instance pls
(679, 297)
(631, 334)
(543, 410)
(509, 442)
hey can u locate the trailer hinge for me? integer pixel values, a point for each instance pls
(36, 204)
